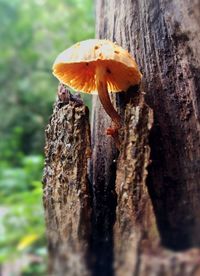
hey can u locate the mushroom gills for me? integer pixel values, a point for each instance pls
(104, 97)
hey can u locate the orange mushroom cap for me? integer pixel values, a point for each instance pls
(76, 66)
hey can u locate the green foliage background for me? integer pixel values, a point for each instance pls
(32, 33)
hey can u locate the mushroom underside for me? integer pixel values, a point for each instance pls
(82, 76)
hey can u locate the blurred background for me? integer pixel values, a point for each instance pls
(32, 33)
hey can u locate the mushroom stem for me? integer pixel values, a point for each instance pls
(104, 97)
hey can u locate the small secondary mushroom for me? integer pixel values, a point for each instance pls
(101, 66)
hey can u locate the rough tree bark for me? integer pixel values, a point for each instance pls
(66, 188)
(145, 198)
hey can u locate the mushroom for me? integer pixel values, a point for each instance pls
(98, 66)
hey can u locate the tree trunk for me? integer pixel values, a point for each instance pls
(163, 36)
(145, 197)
